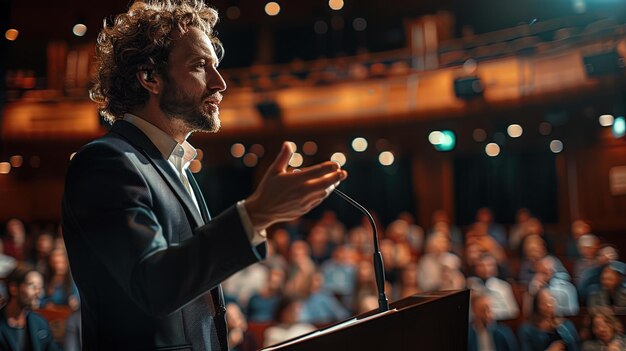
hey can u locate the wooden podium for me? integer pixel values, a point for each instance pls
(436, 321)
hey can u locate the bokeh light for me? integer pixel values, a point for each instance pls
(386, 158)
(606, 120)
(339, 157)
(492, 149)
(515, 130)
(272, 8)
(309, 148)
(250, 160)
(79, 29)
(237, 150)
(335, 4)
(11, 34)
(16, 161)
(556, 146)
(359, 144)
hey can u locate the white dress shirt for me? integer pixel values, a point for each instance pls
(180, 157)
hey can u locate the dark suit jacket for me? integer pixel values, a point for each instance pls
(37, 329)
(140, 253)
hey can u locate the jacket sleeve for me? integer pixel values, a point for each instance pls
(108, 207)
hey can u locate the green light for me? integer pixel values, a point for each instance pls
(619, 127)
(447, 141)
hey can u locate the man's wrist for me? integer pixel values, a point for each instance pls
(256, 234)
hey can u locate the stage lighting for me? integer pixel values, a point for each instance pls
(444, 140)
(619, 127)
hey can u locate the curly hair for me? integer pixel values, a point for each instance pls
(141, 39)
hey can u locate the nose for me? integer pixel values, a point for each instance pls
(216, 81)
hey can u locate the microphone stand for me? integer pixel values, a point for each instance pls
(379, 268)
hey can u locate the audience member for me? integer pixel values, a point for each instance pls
(484, 332)
(479, 235)
(60, 288)
(578, 229)
(588, 245)
(239, 338)
(44, 244)
(437, 261)
(407, 285)
(558, 283)
(262, 304)
(320, 306)
(319, 244)
(544, 331)
(500, 292)
(15, 239)
(336, 230)
(301, 269)
(340, 273)
(612, 291)
(534, 249)
(287, 324)
(518, 230)
(243, 284)
(414, 233)
(495, 230)
(607, 332)
(590, 278)
(441, 222)
(20, 327)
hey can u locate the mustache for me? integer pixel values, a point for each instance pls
(214, 97)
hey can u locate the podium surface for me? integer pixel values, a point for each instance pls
(436, 321)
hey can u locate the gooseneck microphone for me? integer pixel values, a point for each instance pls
(379, 268)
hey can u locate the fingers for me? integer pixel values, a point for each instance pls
(320, 169)
(282, 159)
(327, 180)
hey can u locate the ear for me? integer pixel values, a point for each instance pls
(150, 80)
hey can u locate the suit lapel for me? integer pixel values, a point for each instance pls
(135, 137)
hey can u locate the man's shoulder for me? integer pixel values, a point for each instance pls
(35, 319)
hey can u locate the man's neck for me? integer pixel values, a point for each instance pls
(173, 127)
(16, 315)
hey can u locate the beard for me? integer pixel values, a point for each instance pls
(196, 114)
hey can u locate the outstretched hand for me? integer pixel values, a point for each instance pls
(283, 196)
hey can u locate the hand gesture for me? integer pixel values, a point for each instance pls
(283, 196)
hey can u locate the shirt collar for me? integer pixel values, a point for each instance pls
(166, 145)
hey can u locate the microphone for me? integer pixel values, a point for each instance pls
(379, 268)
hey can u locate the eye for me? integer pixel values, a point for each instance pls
(200, 65)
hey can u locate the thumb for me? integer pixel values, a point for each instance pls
(282, 160)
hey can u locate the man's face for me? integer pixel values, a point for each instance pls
(30, 290)
(486, 268)
(192, 84)
(610, 279)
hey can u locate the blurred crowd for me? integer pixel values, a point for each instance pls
(531, 289)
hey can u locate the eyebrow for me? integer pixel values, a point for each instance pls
(203, 56)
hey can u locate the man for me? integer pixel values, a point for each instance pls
(21, 328)
(145, 254)
(558, 283)
(486, 282)
(484, 332)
